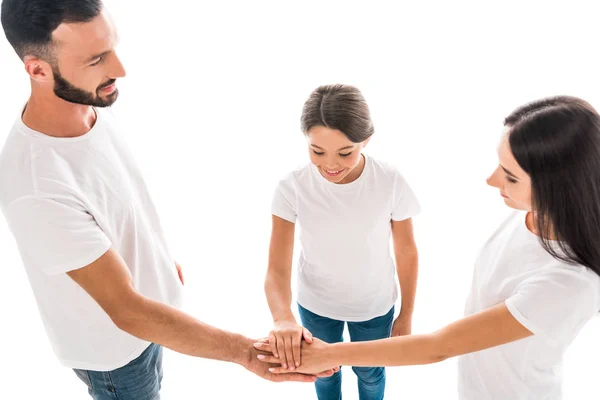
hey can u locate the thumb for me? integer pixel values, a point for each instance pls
(307, 335)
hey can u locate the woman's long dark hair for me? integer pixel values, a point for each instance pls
(557, 142)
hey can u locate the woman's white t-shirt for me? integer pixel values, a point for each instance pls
(346, 271)
(551, 298)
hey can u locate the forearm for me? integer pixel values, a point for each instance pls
(492, 327)
(279, 295)
(165, 325)
(397, 351)
(408, 272)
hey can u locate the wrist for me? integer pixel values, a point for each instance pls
(241, 350)
(406, 312)
(284, 317)
(333, 353)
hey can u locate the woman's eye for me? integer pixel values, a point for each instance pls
(510, 180)
(318, 153)
(345, 154)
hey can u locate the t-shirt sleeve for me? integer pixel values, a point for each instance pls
(405, 203)
(284, 200)
(55, 236)
(554, 301)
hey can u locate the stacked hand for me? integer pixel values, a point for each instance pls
(315, 358)
(258, 364)
(284, 343)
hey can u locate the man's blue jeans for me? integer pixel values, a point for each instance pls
(138, 380)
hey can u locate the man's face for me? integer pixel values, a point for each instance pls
(86, 66)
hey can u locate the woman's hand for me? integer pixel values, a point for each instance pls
(284, 342)
(315, 357)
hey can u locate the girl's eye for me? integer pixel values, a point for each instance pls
(318, 153)
(510, 180)
(345, 154)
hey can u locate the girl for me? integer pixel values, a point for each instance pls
(536, 281)
(347, 205)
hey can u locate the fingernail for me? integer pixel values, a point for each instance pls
(292, 368)
(260, 357)
(284, 365)
(297, 364)
(271, 369)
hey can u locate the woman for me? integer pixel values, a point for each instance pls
(347, 206)
(536, 281)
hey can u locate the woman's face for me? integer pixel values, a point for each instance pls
(334, 155)
(513, 182)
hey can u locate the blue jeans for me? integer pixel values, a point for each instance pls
(138, 380)
(371, 380)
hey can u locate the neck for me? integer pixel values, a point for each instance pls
(53, 116)
(531, 223)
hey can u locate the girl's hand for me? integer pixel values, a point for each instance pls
(284, 343)
(315, 358)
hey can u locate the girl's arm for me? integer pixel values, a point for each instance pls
(407, 267)
(287, 334)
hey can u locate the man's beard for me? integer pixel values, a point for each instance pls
(69, 92)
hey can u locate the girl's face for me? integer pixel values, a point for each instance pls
(513, 182)
(334, 155)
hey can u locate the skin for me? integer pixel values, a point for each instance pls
(330, 151)
(85, 56)
(489, 328)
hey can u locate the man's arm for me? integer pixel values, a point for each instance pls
(109, 283)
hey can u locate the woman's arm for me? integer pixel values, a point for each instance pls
(407, 267)
(489, 328)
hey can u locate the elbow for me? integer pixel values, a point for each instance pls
(442, 347)
(432, 350)
(125, 313)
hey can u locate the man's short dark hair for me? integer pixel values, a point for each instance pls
(28, 24)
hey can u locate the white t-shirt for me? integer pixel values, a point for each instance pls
(67, 201)
(346, 271)
(552, 299)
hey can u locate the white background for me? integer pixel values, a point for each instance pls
(213, 99)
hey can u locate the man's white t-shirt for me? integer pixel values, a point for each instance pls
(68, 201)
(346, 271)
(552, 299)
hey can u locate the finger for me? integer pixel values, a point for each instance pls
(263, 347)
(289, 355)
(268, 359)
(325, 374)
(273, 344)
(293, 377)
(181, 276)
(279, 370)
(307, 335)
(281, 350)
(336, 369)
(296, 340)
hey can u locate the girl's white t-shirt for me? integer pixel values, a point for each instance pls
(551, 298)
(346, 271)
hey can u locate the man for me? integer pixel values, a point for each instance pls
(88, 233)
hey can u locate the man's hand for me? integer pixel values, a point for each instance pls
(179, 272)
(402, 325)
(315, 358)
(261, 368)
